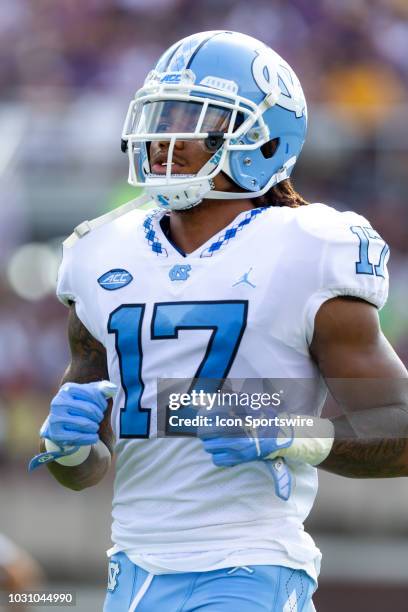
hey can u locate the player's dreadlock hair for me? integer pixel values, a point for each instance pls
(282, 194)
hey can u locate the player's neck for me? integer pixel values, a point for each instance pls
(190, 229)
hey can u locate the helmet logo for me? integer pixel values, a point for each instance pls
(277, 79)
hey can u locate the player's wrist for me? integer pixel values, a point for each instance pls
(310, 444)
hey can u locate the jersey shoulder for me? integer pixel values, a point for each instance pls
(326, 223)
(313, 221)
(95, 245)
(350, 242)
(116, 224)
(352, 258)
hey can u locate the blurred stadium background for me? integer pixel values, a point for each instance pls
(68, 69)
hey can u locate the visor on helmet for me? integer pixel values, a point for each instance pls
(180, 117)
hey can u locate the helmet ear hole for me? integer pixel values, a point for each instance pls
(269, 148)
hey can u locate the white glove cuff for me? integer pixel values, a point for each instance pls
(76, 458)
(309, 448)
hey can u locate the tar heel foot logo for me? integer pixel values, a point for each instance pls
(113, 573)
(180, 272)
(244, 280)
(115, 279)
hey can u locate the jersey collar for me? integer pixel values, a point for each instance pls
(159, 244)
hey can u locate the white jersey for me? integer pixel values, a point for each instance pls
(173, 510)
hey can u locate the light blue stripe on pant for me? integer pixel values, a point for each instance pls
(258, 588)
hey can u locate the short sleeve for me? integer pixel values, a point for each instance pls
(73, 283)
(65, 292)
(353, 263)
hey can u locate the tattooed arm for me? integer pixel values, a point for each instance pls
(88, 364)
(348, 344)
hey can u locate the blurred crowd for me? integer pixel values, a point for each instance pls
(353, 50)
(67, 71)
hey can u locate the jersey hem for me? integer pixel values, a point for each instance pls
(231, 559)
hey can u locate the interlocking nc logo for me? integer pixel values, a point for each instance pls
(113, 572)
(179, 272)
(45, 458)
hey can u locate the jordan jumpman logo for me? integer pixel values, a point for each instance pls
(244, 279)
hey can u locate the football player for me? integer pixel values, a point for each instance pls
(233, 275)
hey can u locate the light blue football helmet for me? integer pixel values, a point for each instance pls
(233, 93)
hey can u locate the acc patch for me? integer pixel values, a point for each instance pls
(115, 279)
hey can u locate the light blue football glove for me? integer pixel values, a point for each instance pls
(227, 451)
(75, 415)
